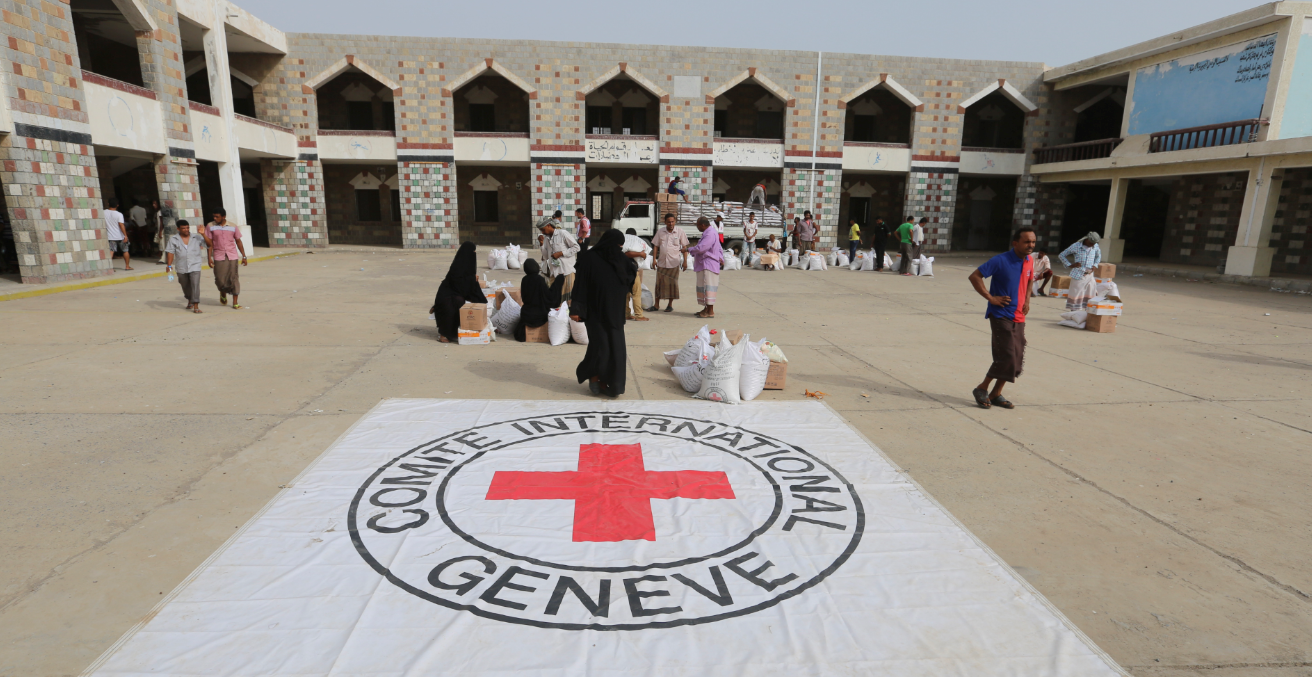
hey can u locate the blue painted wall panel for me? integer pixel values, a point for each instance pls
(1220, 85)
(1297, 118)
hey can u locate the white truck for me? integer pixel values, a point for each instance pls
(645, 216)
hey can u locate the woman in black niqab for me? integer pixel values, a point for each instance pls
(537, 299)
(602, 281)
(460, 287)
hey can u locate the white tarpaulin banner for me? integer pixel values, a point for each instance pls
(617, 538)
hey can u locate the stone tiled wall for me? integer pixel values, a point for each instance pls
(1203, 218)
(798, 197)
(294, 203)
(558, 186)
(1289, 231)
(696, 181)
(1041, 206)
(428, 205)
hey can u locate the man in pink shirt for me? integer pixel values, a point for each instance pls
(584, 229)
(224, 242)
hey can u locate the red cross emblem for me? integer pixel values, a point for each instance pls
(611, 490)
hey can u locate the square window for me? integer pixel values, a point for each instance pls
(485, 206)
(367, 206)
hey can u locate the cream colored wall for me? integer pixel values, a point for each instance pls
(265, 140)
(210, 136)
(361, 148)
(1001, 164)
(122, 120)
(879, 159)
(491, 149)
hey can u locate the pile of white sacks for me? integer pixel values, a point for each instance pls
(510, 258)
(730, 372)
(1077, 319)
(504, 317)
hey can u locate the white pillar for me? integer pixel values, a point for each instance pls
(1250, 255)
(1113, 245)
(220, 75)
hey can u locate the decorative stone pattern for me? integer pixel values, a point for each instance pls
(797, 198)
(53, 196)
(557, 186)
(428, 205)
(1203, 218)
(696, 181)
(933, 195)
(1289, 230)
(294, 193)
(1041, 206)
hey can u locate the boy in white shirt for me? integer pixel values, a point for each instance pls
(114, 228)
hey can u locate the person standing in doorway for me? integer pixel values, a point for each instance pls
(808, 234)
(1010, 276)
(750, 229)
(707, 256)
(879, 240)
(904, 245)
(637, 249)
(138, 234)
(225, 242)
(853, 238)
(184, 253)
(584, 229)
(116, 232)
(560, 251)
(669, 247)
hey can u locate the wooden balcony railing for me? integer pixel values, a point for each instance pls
(1084, 150)
(1207, 136)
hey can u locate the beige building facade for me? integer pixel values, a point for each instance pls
(310, 139)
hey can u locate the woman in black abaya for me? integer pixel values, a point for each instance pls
(460, 287)
(538, 299)
(602, 281)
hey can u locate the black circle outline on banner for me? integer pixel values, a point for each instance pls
(439, 497)
(842, 558)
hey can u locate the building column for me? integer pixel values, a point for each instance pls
(556, 186)
(53, 194)
(428, 205)
(293, 203)
(822, 199)
(932, 193)
(1113, 245)
(1041, 206)
(1250, 256)
(220, 79)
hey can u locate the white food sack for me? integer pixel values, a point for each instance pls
(841, 259)
(645, 263)
(817, 261)
(690, 377)
(523, 256)
(858, 261)
(722, 378)
(775, 353)
(670, 356)
(790, 257)
(915, 266)
(756, 365)
(831, 258)
(754, 261)
(869, 263)
(579, 332)
(896, 263)
(491, 260)
(926, 266)
(1074, 318)
(888, 262)
(648, 300)
(499, 260)
(507, 316)
(558, 325)
(697, 349)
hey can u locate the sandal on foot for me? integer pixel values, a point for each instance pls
(1001, 402)
(236, 306)
(669, 310)
(223, 299)
(981, 398)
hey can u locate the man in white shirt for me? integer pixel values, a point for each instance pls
(918, 238)
(635, 248)
(137, 232)
(115, 231)
(560, 250)
(750, 229)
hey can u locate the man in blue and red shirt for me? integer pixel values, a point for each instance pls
(1010, 275)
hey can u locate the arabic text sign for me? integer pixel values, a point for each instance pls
(631, 151)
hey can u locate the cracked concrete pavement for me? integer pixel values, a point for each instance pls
(1152, 483)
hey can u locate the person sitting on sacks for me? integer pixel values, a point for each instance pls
(773, 246)
(537, 299)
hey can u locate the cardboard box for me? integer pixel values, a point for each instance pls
(1104, 271)
(1103, 324)
(468, 337)
(512, 292)
(769, 259)
(1105, 308)
(735, 335)
(473, 317)
(777, 377)
(1060, 287)
(536, 335)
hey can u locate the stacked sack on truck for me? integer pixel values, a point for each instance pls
(734, 370)
(1103, 309)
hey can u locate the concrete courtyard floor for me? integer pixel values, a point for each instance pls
(1153, 483)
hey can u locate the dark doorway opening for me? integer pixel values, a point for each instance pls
(1144, 224)
(994, 122)
(985, 213)
(750, 111)
(491, 103)
(211, 190)
(1085, 212)
(252, 189)
(355, 101)
(878, 116)
(106, 41)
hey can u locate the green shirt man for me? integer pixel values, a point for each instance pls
(904, 232)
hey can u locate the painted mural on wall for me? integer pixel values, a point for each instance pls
(1297, 119)
(1220, 85)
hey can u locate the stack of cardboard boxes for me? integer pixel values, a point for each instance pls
(1103, 311)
